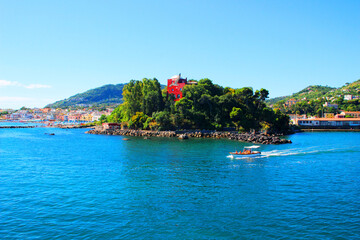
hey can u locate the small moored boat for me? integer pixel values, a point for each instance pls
(247, 152)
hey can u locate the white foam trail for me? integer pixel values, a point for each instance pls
(309, 150)
(297, 151)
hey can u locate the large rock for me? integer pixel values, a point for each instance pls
(183, 136)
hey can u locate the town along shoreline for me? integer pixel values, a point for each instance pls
(244, 137)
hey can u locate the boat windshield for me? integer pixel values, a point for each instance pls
(251, 147)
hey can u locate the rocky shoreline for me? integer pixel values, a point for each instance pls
(244, 137)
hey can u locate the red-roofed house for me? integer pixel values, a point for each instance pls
(111, 126)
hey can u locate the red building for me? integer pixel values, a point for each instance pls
(175, 86)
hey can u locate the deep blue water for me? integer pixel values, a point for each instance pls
(79, 186)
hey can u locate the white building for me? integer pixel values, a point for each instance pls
(348, 97)
(330, 122)
(96, 116)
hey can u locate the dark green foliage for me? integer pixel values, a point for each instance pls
(164, 120)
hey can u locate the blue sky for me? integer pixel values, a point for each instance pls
(50, 50)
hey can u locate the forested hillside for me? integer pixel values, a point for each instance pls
(311, 100)
(108, 95)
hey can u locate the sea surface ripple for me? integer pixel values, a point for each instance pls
(78, 186)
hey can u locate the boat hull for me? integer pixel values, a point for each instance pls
(234, 155)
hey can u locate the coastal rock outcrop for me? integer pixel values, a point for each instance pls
(243, 137)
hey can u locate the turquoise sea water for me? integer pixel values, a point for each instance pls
(79, 186)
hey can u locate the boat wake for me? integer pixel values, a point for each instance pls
(298, 151)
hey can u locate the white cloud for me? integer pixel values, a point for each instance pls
(5, 83)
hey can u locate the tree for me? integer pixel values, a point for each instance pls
(152, 96)
(102, 119)
(281, 123)
(137, 121)
(236, 116)
(164, 120)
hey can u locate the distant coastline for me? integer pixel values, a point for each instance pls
(17, 126)
(43, 124)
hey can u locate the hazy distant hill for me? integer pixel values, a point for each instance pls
(275, 100)
(108, 94)
(316, 91)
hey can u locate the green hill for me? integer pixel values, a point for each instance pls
(106, 95)
(347, 89)
(317, 92)
(311, 100)
(308, 93)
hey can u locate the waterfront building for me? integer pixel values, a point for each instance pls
(329, 122)
(340, 116)
(15, 116)
(59, 118)
(50, 117)
(329, 115)
(96, 116)
(45, 110)
(37, 111)
(86, 117)
(74, 117)
(295, 117)
(352, 114)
